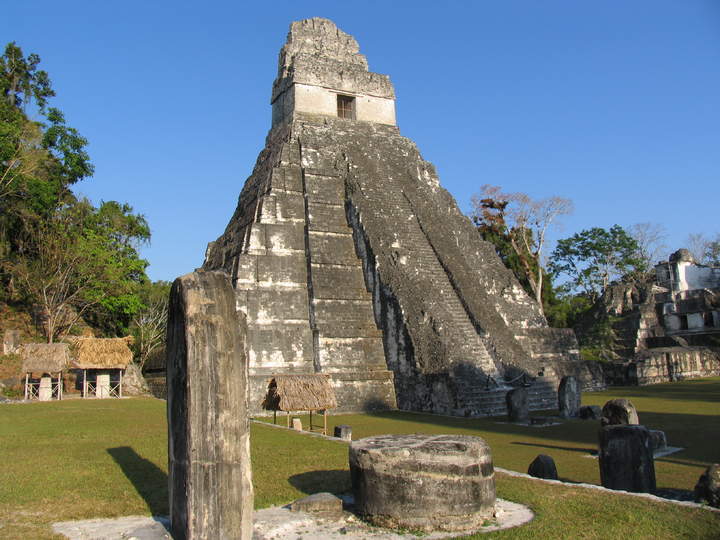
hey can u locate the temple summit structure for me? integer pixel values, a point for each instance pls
(349, 259)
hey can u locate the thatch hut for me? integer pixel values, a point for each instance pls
(297, 393)
(103, 362)
(44, 360)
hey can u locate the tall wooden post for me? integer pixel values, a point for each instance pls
(120, 389)
(26, 386)
(84, 383)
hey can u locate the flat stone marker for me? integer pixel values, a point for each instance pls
(209, 440)
(569, 397)
(45, 389)
(517, 405)
(590, 412)
(543, 466)
(323, 503)
(658, 440)
(619, 411)
(626, 458)
(343, 432)
(707, 488)
(423, 482)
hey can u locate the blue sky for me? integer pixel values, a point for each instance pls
(615, 104)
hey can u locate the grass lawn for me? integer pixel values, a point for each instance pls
(80, 459)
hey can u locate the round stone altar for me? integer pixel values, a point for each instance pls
(423, 482)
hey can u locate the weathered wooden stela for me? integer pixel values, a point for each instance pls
(209, 440)
(349, 259)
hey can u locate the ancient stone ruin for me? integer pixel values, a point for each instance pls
(423, 482)
(209, 474)
(666, 329)
(348, 258)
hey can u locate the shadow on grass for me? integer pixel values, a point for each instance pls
(334, 481)
(555, 447)
(149, 480)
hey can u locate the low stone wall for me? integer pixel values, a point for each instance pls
(664, 365)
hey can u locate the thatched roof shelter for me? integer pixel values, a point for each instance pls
(45, 357)
(299, 393)
(101, 353)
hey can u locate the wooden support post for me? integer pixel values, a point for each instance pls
(311, 428)
(274, 416)
(26, 386)
(288, 419)
(324, 421)
(120, 391)
(84, 395)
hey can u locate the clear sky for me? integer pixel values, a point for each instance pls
(615, 104)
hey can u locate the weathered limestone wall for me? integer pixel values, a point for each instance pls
(317, 63)
(666, 364)
(314, 100)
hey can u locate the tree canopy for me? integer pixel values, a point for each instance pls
(63, 256)
(517, 225)
(592, 258)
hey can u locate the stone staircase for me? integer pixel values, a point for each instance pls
(468, 347)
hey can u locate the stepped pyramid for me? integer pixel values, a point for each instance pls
(350, 259)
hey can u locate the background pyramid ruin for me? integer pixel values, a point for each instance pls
(349, 258)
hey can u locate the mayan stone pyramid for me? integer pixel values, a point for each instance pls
(349, 258)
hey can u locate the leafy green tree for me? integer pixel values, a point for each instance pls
(66, 256)
(592, 258)
(21, 81)
(80, 266)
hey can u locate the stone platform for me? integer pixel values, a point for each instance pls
(278, 523)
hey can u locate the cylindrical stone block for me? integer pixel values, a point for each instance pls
(423, 482)
(626, 458)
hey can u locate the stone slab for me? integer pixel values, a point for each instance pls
(279, 522)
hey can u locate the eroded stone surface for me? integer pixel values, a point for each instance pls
(319, 503)
(569, 397)
(423, 482)
(209, 476)
(626, 458)
(517, 405)
(590, 412)
(618, 412)
(543, 466)
(707, 488)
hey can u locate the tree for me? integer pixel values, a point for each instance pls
(518, 225)
(704, 250)
(650, 239)
(149, 324)
(592, 258)
(21, 81)
(82, 262)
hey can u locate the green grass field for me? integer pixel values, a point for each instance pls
(81, 459)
